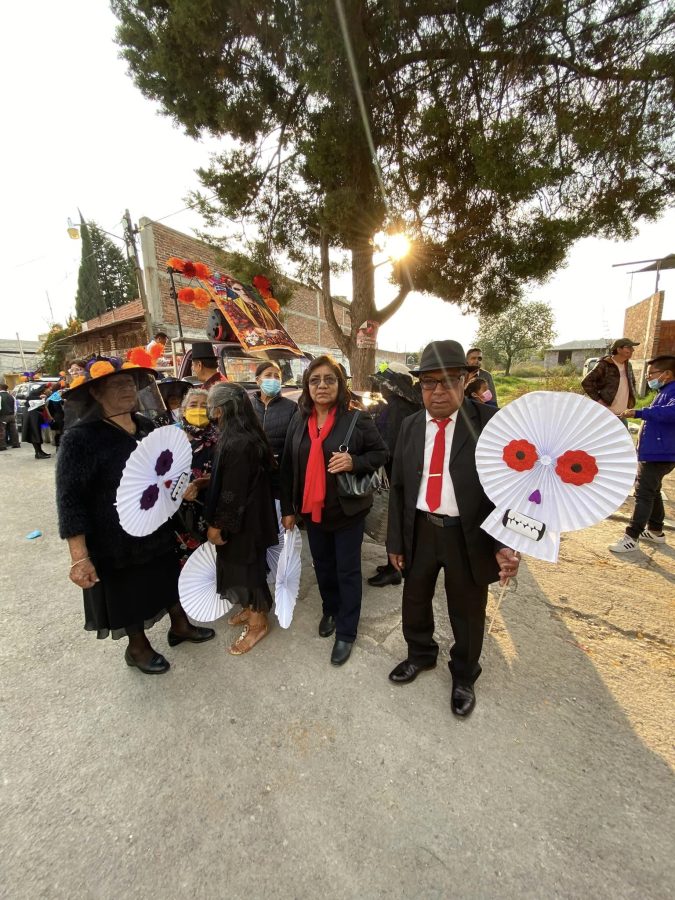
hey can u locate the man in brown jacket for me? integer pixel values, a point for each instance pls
(612, 382)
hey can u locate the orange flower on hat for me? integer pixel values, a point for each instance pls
(141, 357)
(201, 299)
(202, 270)
(186, 295)
(173, 262)
(129, 365)
(76, 382)
(101, 368)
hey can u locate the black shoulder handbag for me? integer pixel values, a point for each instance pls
(351, 485)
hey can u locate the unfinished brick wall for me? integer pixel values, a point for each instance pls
(642, 323)
(302, 316)
(666, 342)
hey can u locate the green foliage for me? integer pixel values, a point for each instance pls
(528, 371)
(89, 301)
(503, 132)
(515, 334)
(245, 266)
(54, 350)
(106, 278)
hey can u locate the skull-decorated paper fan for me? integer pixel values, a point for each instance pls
(552, 462)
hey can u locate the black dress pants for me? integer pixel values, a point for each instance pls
(434, 549)
(649, 511)
(337, 565)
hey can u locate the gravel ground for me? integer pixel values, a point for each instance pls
(275, 775)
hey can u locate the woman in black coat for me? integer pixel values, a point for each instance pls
(274, 412)
(129, 583)
(314, 455)
(240, 511)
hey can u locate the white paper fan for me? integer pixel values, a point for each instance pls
(197, 586)
(154, 481)
(274, 552)
(530, 457)
(288, 577)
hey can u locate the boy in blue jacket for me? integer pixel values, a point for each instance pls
(656, 457)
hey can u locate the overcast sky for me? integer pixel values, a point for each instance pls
(79, 134)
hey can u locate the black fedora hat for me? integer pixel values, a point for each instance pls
(203, 351)
(442, 355)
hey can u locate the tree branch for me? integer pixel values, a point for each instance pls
(341, 339)
(384, 314)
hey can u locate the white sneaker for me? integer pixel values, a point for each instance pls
(625, 544)
(653, 537)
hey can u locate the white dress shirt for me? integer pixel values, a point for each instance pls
(448, 505)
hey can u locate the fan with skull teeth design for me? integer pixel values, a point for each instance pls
(552, 462)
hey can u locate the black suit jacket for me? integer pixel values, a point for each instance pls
(366, 447)
(474, 506)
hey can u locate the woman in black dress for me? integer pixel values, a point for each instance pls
(314, 455)
(240, 510)
(129, 583)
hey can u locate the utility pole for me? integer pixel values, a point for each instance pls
(51, 311)
(130, 238)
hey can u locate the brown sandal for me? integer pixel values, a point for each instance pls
(255, 630)
(240, 618)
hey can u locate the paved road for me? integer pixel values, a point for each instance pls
(275, 775)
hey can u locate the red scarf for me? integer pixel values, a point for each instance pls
(314, 495)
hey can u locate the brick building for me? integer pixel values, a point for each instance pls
(120, 329)
(643, 323)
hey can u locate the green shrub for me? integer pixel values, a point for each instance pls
(528, 371)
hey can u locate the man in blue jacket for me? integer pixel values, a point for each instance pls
(656, 457)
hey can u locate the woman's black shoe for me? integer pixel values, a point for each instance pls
(158, 665)
(341, 652)
(42, 455)
(327, 626)
(198, 636)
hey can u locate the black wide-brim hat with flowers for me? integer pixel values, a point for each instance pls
(81, 406)
(442, 355)
(99, 369)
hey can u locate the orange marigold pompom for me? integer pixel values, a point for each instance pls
(189, 269)
(186, 295)
(202, 270)
(156, 350)
(273, 305)
(129, 365)
(202, 298)
(76, 382)
(101, 368)
(141, 357)
(262, 284)
(173, 262)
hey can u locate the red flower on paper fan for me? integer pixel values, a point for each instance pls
(520, 455)
(173, 262)
(576, 467)
(186, 295)
(202, 270)
(201, 299)
(263, 285)
(189, 269)
(273, 304)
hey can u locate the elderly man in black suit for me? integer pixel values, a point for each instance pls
(436, 507)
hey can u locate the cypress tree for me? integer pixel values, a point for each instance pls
(89, 301)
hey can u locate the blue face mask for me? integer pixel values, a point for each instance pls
(654, 383)
(270, 386)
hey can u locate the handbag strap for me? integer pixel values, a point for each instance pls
(344, 446)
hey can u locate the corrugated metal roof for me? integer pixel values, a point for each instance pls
(12, 345)
(600, 344)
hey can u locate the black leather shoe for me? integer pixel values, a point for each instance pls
(342, 650)
(42, 455)
(198, 636)
(158, 665)
(327, 626)
(382, 568)
(388, 575)
(463, 698)
(407, 671)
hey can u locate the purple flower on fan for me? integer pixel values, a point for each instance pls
(164, 462)
(149, 497)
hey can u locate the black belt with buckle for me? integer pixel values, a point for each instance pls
(441, 521)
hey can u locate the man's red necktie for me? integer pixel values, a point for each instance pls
(435, 482)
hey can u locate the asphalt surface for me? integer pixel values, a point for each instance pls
(276, 775)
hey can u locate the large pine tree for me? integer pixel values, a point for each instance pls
(106, 279)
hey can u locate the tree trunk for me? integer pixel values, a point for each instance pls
(507, 369)
(362, 361)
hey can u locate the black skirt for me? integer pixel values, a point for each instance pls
(243, 583)
(126, 601)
